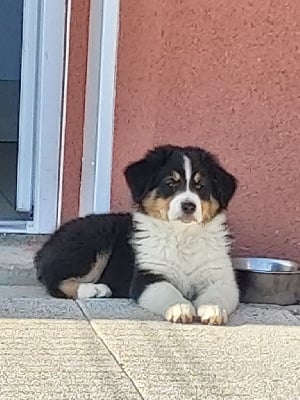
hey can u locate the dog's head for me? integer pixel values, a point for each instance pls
(180, 183)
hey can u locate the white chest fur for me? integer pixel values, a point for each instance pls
(190, 256)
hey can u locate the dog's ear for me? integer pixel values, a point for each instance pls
(140, 175)
(224, 185)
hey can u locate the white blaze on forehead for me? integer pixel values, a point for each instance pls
(187, 165)
(175, 208)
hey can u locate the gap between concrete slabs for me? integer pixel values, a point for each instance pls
(86, 315)
(61, 332)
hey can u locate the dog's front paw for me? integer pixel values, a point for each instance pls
(212, 315)
(103, 290)
(183, 313)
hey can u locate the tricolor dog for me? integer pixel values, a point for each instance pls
(171, 255)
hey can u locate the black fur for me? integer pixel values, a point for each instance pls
(72, 250)
(147, 174)
(140, 280)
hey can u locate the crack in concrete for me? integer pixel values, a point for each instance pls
(90, 322)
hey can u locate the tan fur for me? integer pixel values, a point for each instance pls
(70, 286)
(156, 206)
(209, 209)
(176, 176)
(197, 177)
(96, 270)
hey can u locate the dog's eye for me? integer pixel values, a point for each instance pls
(172, 182)
(198, 185)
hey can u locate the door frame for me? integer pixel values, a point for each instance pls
(48, 119)
(95, 193)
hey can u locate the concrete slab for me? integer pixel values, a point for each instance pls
(19, 292)
(256, 357)
(54, 349)
(39, 309)
(49, 351)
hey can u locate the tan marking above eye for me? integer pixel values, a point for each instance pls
(176, 176)
(197, 177)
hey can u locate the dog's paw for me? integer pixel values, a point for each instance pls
(212, 315)
(103, 290)
(183, 313)
(86, 291)
(89, 290)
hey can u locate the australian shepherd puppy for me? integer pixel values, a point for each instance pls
(171, 255)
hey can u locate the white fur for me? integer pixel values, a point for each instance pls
(194, 259)
(187, 170)
(175, 210)
(88, 290)
(164, 299)
(180, 313)
(212, 314)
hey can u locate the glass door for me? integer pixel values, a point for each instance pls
(17, 92)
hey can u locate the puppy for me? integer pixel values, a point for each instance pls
(171, 255)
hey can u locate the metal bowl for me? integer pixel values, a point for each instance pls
(268, 280)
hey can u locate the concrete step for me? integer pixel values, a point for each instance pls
(17, 275)
(16, 258)
(23, 292)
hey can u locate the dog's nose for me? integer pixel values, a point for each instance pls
(188, 207)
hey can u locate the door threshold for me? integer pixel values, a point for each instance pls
(18, 226)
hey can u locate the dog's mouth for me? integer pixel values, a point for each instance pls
(187, 219)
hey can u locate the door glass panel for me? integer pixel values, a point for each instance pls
(11, 26)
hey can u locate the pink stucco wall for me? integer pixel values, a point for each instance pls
(75, 104)
(225, 76)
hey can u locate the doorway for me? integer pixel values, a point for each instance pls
(11, 32)
(32, 57)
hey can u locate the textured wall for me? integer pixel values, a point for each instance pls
(225, 76)
(78, 49)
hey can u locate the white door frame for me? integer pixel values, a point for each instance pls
(100, 107)
(48, 118)
(27, 106)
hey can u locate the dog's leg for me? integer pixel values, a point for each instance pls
(217, 302)
(164, 299)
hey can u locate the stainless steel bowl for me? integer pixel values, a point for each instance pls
(268, 280)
